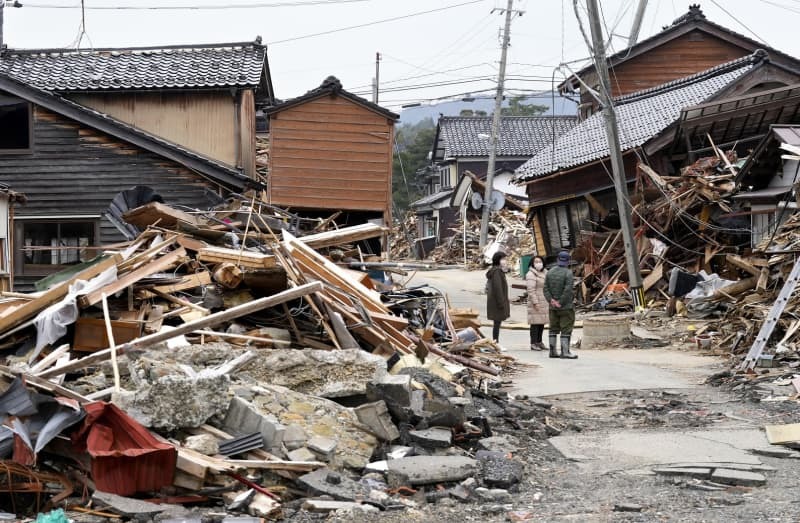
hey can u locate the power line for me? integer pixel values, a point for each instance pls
(258, 5)
(738, 21)
(374, 22)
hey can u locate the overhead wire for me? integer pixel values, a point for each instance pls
(738, 21)
(375, 22)
(194, 7)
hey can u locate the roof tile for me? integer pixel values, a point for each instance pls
(223, 65)
(640, 117)
(519, 135)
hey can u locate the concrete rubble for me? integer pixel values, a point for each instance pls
(258, 376)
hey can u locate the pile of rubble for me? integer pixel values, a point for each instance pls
(508, 232)
(690, 207)
(404, 235)
(211, 367)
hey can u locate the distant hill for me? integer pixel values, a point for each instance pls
(413, 115)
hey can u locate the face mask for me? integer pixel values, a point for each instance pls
(538, 266)
(504, 265)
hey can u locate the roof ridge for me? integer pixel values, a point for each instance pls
(541, 116)
(758, 56)
(172, 47)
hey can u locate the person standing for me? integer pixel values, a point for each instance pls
(537, 303)
(559, 295)
(497, 306)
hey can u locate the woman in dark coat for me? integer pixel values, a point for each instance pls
(497, 305)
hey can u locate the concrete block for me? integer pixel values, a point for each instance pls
(325, 482)
(435, 437)
(393, 389)
(242, 418)
(127, 506)
(738, 477)
(301, 454)
(324, 447)
(376, 416)
(501, 472)
(203, 443)
(424, 470)
(776, 452)
(294, 437)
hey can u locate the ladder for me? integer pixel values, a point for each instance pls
(772, 319)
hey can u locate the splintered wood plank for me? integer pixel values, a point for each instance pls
(344, 235)
(190, 281)
(132, 277)
(31, 308)
(653, 278)
(249, 259)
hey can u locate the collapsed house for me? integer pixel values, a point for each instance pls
(245, 356)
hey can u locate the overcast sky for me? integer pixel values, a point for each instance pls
(456, 47)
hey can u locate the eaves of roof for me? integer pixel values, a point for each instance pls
(206, 167)
(331, 86)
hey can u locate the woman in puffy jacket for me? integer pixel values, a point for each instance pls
(538, 308)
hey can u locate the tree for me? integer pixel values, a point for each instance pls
(517, 108)
(411, 156)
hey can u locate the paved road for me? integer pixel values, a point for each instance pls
(594, 370)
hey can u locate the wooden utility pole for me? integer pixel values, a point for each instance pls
(615, 152)
(2, 5)
(498, 103)
(637, 23)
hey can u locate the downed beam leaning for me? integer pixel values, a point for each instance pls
(208, 321)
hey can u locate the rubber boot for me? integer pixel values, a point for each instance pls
(565, 353)
(553, 343)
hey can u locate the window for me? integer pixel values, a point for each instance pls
(15, 124)
(46, 246)
(563, 224)
(444, 176)
(429, 227)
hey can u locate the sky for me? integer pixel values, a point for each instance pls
(431, 50)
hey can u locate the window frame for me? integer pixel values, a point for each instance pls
(42, 270)
(28, 149)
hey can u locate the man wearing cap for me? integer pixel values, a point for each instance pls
(558, 293)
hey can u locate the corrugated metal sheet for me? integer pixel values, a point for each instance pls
(126, 458)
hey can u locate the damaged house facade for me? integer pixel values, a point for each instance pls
(461, 146)
(665, 119)
(330, 151)
(79, 127)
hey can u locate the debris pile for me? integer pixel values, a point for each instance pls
(693, 208)
(211, 361)
(508, 232)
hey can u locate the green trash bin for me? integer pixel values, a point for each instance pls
(524, 264)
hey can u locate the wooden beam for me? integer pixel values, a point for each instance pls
(202, 323)
(344, 235)
(132, 277)
(50, 296)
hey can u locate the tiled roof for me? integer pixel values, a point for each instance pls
(432, 198)
(211, 169)
(519, 135)
(640, 117)
(222, 65)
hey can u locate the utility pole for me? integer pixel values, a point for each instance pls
(498, 103)
(637, 23)
(615, 152)
(376, 80)
(2, 5)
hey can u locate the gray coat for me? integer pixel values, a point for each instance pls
(497, 305)
(538, 308)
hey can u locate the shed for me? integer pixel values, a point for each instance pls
(331, 150)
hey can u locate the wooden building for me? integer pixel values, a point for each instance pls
(461, 146)
(569, 185)
(330, 150)
(71, 159)
(201, 97)
(691, 44)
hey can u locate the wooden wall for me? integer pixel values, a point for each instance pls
(77, 171)
(686, 55)
(331, 153)
(204, 122)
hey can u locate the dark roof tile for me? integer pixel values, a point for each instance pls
(519, 135)
(640, 117)
(222, 65)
